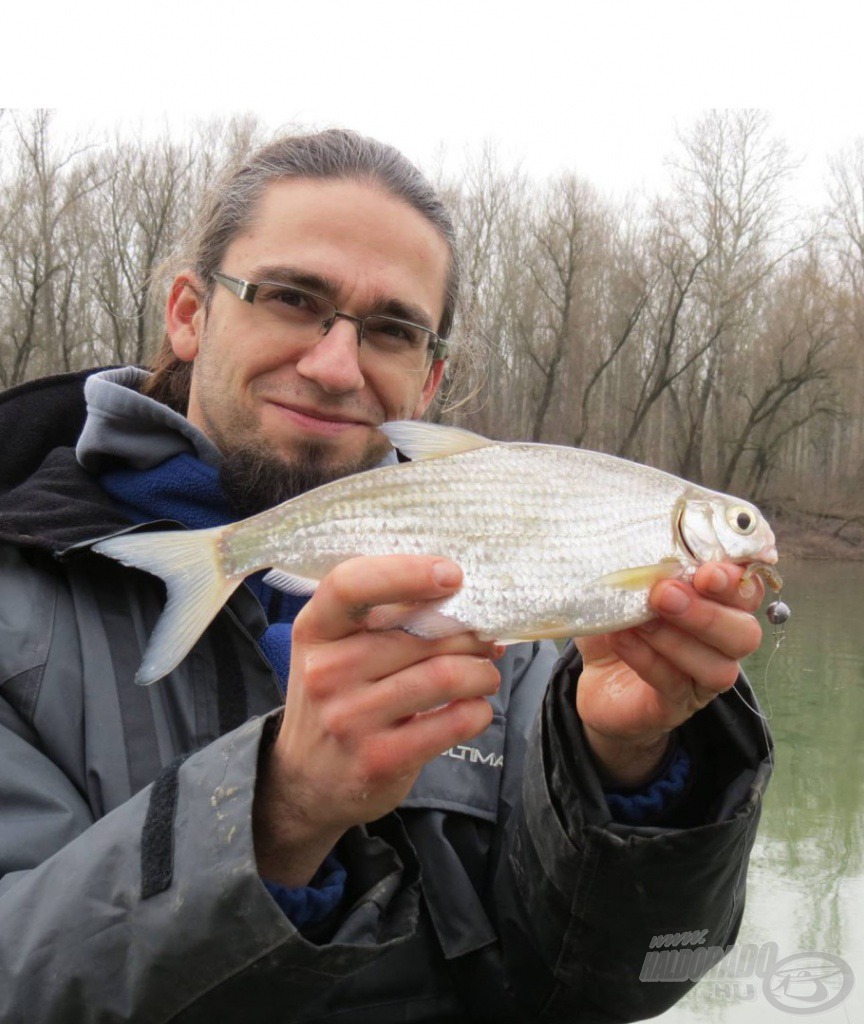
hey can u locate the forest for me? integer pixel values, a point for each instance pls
(715, 329)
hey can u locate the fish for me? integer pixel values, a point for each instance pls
(553, 541)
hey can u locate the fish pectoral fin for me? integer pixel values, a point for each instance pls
(288, 583)
(430, 440)
(641, 577)
(423, 620)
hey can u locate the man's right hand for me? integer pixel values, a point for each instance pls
(364, 710)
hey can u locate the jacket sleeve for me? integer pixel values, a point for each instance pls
(581, 897)
(136, 912)
(158, 902)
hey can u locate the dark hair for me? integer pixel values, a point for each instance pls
(229, 206)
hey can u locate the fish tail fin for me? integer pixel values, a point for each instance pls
(188, 562)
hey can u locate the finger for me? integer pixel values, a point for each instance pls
(346, 593)
(685, 677)
(730, 630)
(409, 745)
(364, 658)
(419, 689)
(722, 582)
(595, 649)
(690, 656)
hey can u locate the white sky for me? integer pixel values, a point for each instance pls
(593, 87)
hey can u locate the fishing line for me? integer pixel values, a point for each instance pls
(778, 614)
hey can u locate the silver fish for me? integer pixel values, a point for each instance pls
(552, 541)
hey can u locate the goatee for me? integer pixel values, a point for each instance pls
(253, 479)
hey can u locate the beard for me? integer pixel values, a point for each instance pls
(254, 478)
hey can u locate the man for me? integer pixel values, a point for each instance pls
(323, 860)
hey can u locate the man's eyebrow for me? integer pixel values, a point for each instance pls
(382, 305)
(324, 286)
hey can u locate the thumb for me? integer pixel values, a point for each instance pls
(595, 650)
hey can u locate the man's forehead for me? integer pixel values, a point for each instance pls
(338, 201)
(335, 230)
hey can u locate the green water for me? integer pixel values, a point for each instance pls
(806, 889)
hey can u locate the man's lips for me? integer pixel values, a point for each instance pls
(321, 421)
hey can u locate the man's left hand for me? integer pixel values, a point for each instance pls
(639, 684)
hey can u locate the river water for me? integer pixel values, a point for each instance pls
(806, 882)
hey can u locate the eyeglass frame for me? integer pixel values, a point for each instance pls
(247, 290)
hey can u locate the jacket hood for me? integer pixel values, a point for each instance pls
(47, 500)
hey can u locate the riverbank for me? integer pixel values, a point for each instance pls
(804, 535)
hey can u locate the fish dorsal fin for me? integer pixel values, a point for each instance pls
(430, 440)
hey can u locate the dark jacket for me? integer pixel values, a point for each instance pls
(500, 890)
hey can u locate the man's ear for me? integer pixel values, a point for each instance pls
(184, 316)
(436, 372)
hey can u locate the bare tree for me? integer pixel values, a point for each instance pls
(728, 189)
(792, 378)
(36, 247)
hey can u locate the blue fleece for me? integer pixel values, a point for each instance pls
(638, 807)
(188, 491)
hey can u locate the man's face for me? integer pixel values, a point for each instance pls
(254, 391)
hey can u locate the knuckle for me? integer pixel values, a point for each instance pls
(722, 677)
(444, 674)
(341, 583)
(300, 628)
(727, 676)
(455, 676)
(338, 721)
(319, 674)
(471, 716)
(490, 678)
(379, 761)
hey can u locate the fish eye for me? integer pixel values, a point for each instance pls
(741, 519)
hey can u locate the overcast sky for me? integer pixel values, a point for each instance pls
(597, 87)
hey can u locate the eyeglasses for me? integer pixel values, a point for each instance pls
(308, 317)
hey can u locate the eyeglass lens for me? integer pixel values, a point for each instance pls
(307, 316)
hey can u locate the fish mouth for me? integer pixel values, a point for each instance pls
(768, 555)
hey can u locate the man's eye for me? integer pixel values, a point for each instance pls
(394, 332)
(292, 299)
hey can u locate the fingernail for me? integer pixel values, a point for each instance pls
(716, 582)
(746, 588)
(674, 601)
(446, 574)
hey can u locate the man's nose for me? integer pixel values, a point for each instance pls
(333, 362)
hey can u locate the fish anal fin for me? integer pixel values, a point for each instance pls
(288, 583)
(422, 620)
(641, 577)
(431, 440)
